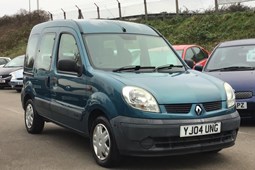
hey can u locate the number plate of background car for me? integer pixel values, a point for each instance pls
(241, 105)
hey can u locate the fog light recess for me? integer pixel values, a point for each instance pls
(147, 143)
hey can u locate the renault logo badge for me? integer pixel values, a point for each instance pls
(198, 110)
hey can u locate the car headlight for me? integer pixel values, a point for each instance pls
(230, 95)
(13, 76)
(140, 99)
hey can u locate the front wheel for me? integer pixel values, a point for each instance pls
(33, 121)
(102, 143)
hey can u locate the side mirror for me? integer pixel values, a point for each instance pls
(198, 67)
(69, 66)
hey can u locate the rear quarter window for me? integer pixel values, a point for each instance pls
(43, 60)
(2, 61)
(31, 52)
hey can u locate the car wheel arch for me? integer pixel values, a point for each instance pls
(101, 101)
(25, 99)
(92, 116)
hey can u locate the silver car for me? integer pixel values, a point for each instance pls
(13, 65)
(16, 81)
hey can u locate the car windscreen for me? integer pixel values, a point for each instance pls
(16, 62)
(113, 51)
(179, 52)
(242, 56)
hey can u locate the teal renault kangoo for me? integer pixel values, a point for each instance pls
(122, 85)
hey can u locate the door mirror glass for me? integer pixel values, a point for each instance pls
(69, 66)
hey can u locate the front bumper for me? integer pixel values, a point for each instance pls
(4, 82)
(249, 112)
(16, 84)
(149, 137)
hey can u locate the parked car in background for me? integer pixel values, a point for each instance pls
(234, 62)
(192, 54)
(4, 60)
(13, 65)
(16, 81)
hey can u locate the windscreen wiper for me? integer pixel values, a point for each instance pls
(133, 68)
(168, 66)
(233, 68)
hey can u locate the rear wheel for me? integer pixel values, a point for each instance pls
(102, 143)
(33, 121)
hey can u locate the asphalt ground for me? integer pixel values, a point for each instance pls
(60, 149)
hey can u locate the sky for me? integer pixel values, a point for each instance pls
(108, 8)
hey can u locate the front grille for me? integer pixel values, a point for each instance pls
(178, 108)
(185, 108)
(212, 106)
(243, 94)
(178, 142)
(5, 76)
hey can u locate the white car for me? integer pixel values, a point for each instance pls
(16, 81)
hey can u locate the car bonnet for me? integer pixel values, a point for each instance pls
(239, 80)
(187, 87)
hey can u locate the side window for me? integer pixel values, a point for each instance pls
(68, 49)
(200, 54)
(189, 55)
(31, 52)
(2, 61)
(43, 59)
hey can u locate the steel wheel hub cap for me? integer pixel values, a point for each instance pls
(29, 115)
(101, 141)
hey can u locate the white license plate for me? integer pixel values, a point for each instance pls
(241, 105)
(200, 129)
(2, 81)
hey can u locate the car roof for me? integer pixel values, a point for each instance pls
(237, 42)
(8, 58)
(183, 46)
(87, 26)
(22, 55)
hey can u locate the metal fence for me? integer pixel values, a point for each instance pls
(128, 9)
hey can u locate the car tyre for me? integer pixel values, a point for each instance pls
(102, 143)
(18, 90)
(33, 121)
